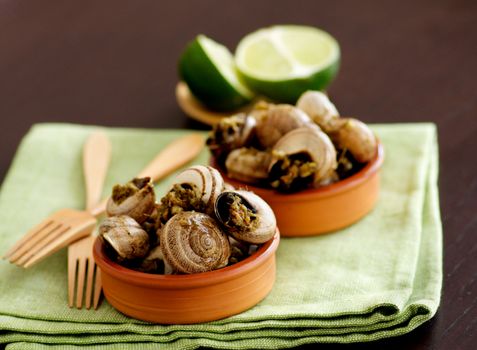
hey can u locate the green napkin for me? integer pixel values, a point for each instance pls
(378, 278)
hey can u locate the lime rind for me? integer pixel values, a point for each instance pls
(289, 91)
(209, 70)
(224, 61)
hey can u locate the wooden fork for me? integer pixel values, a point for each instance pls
(81, 269)
(96, 157)
(68, 225)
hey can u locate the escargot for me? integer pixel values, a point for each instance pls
(248, 165)
(124, 238)
(230, 133)
(301, 157)
(152, 224)
(274, 121)
(135, 199)
(319, 107)
(355, 136)
(207, 179)
(154, 263)
(247, 217)
(181, 197)
(193, 242)
(196, 188)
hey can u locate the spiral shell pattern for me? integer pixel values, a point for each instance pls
(193, 242)
(208, 180)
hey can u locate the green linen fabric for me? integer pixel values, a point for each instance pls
(380, 277)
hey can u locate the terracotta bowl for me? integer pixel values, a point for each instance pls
(323, 210)
(185, 299)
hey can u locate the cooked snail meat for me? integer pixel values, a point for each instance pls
(135, 199)
(292, 172)
(230, 133)
(182, 197)
(208, 182)
(303, 156)
(238, 250)
(246, 216)
(347, 165)
(152, 224)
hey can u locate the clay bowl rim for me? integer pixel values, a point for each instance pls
(184, 281)
(333, 189)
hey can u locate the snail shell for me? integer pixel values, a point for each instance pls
(135, 199)
(248, 165)
(319, 107)
(208, 181)
(315, 145)
(154, 263)
(230, 133)
(181, 197)
(247, 217)
(193, 242)
(124, 237)
(274, 121)
(228, 187)
(356, 137)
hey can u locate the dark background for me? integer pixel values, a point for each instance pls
(114, 63)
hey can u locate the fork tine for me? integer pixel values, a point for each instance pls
(72, 265)
(89, 282)
(28, 236)
(65, 238)
(97, 288)
(37, 242)
(25, 259)
(80, 284)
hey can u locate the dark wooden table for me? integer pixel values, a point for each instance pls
(114, 63)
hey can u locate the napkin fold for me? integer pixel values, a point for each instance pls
(378, 278)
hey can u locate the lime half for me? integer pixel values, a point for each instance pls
(209, 70)
(282, 62)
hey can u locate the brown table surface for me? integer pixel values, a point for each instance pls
(114, 63)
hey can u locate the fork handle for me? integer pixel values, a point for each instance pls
(99, 209)
(96, 157)
(172, 157)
